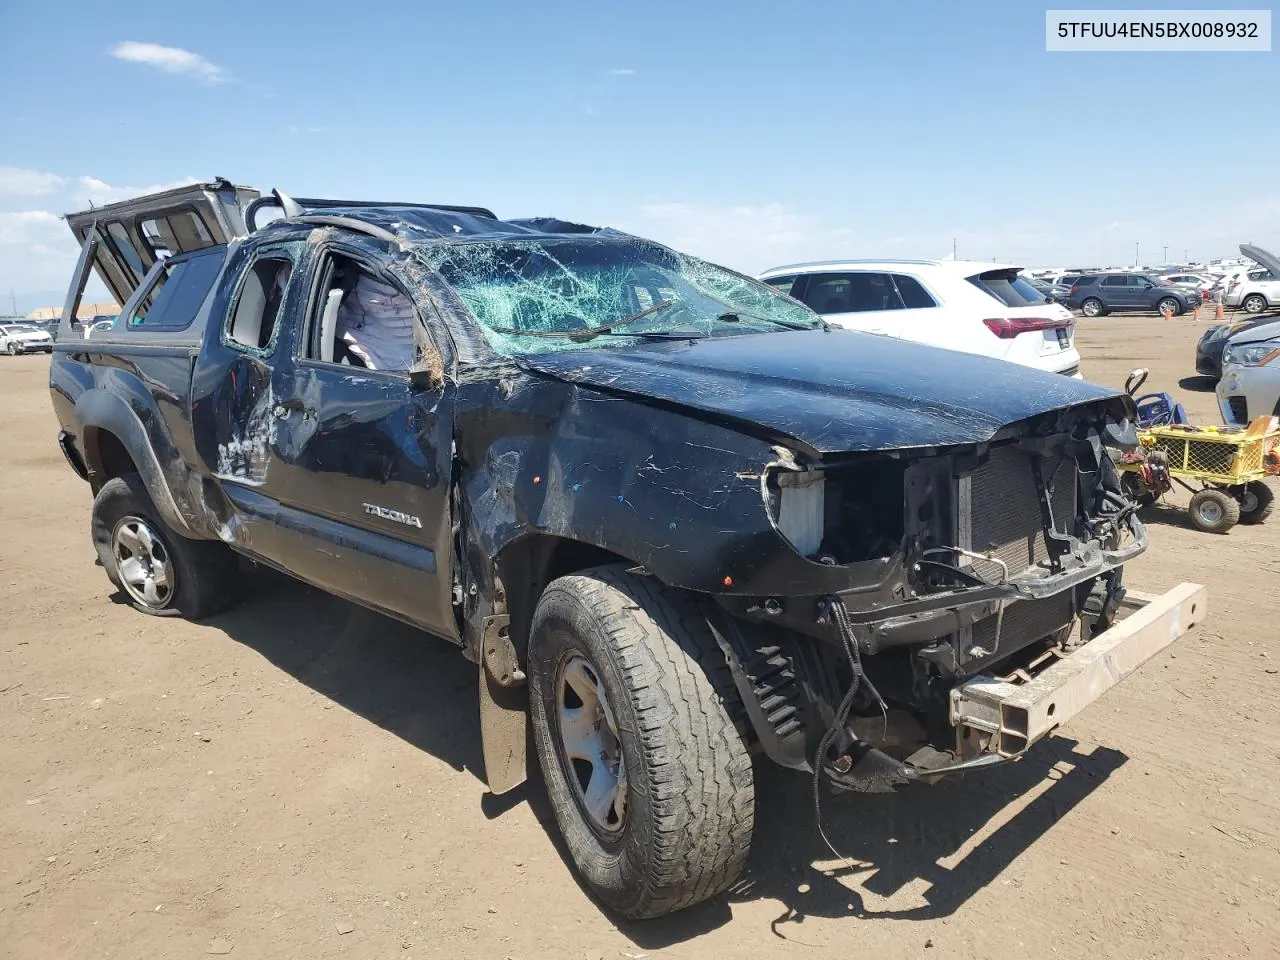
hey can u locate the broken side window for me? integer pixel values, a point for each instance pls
(253, 322)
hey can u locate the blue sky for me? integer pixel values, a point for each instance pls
(750, 133)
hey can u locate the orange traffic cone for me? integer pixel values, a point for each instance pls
(1166, 313)
(1218, 314)
(1195, 313)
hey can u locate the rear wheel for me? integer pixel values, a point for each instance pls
(1170, 305)
(649, 779)
(161, 572)
(1254, 303)
(1214, 511)
(1092, 307)
(1256, 502)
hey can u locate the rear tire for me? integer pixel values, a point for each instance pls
(665, 694)
(1214, 511)
(161, 573)
(1092, 307)
(1257, 502)
(1254, 303)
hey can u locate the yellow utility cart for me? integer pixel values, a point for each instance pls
(1229, 464)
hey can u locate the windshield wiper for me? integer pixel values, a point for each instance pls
(733, 316)
(660, 334)
(590, 332)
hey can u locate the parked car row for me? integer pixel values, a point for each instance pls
(38, 336)
(17, 338)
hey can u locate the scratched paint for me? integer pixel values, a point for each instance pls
(245, 455)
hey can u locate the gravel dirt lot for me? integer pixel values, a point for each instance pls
(300, 778)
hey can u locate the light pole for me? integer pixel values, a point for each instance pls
(1137, 252)
(1164, 257)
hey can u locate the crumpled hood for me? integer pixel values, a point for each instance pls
(834, 392)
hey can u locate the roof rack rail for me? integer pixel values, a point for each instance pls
(276, 199)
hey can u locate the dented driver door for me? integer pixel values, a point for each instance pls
(365, 456)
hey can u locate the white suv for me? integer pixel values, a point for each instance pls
(1255, 292)
(967, 305)
(1258, 289)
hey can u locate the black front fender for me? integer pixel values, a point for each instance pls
(134, 421)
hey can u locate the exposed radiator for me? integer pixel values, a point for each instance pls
(1025, 621)
(1004, 509)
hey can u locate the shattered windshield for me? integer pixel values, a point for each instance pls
(533, 296)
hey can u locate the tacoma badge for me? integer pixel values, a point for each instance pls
(386, 513)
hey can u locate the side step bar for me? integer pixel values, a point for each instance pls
(1017, 714)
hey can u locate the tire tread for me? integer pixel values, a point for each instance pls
(698, 765)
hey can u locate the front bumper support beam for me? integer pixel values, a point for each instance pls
(1017, 714)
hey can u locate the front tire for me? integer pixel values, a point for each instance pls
(1257, 502)
(1170, 304)
(161, 573)
(1092, 307)
(13, 349)
(1254, 303)
(1214, 511)
(649, 779)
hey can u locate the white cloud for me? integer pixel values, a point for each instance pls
(27, 226)
(37, 253)
(754, 237)
(749, 238)
(17, 182)
(170, 60)
(98, 192)
(621, 72)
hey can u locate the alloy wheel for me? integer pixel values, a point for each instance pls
(589, 744)
(146, 569)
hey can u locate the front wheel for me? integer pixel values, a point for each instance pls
(13, 349)
(1091, 307)
(161, 572)
(1214, 511)
(1254, 303)
(1256, 502)
(649, 779)
(1170, 306)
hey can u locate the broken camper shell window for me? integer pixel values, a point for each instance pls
(555, 288)
(179, 231)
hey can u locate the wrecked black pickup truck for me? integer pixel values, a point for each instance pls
(676, 521)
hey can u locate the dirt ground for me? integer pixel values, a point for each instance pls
(297, 767)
